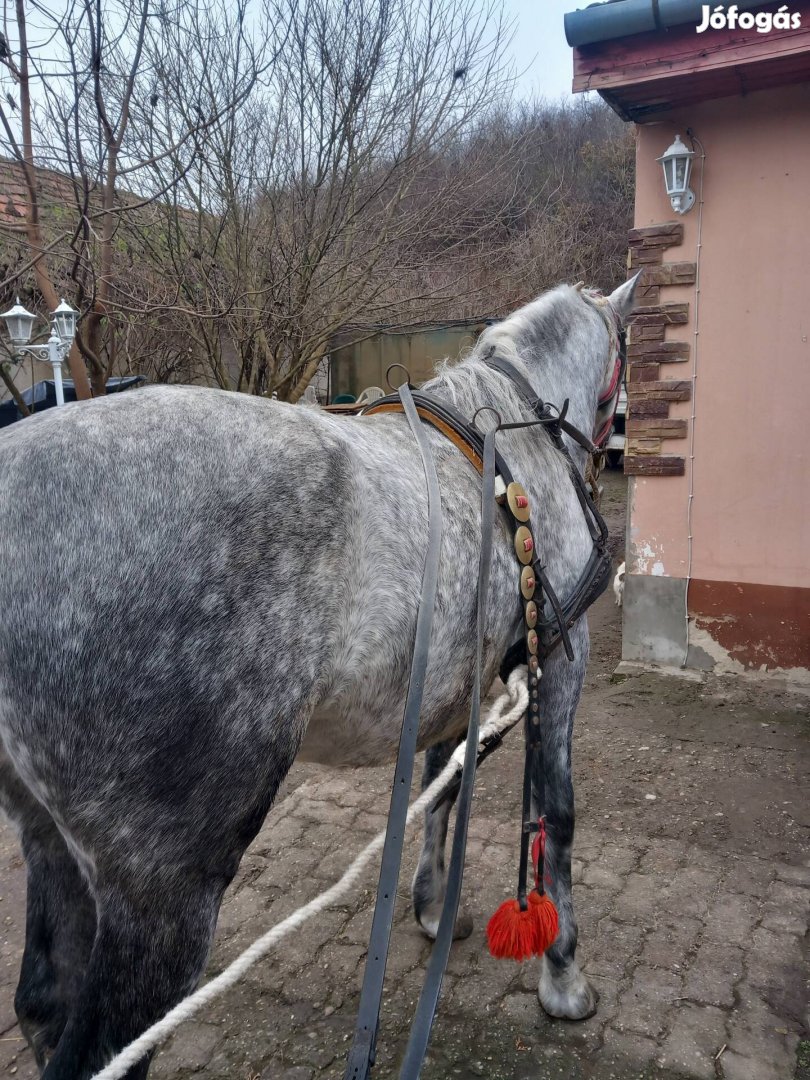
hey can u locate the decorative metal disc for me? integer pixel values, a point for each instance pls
(515, 495)
(524, 545)
(527, 582)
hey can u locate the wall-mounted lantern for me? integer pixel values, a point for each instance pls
(677, 163)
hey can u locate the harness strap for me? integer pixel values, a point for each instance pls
(440, 423)
(362, 1054)
(594, 578)
(553, 629)
(428, 999)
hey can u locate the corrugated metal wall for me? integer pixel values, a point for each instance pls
(358, 362)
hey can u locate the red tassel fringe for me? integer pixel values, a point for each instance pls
(516, 935)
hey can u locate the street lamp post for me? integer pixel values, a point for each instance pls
(19, 323)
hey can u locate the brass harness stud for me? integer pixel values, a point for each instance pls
(518, 502)
(524, 545)
(527, 582)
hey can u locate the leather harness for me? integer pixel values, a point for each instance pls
(546, 625)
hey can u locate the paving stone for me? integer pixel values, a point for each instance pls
(755, 1031)
(611, 949)
(744, 1067)
(749, 876)
(796, 875)
(786, 908)
(620, 858)
(342, 962)
(602, 877)
(412, 950)
(713, 974)
(592, 905)
(696, 1036)
(13, 1047)
(772, 959)
(621, 1047)
(638, 900)
(282, 835)
(671, 941)
(731, 918)
(663, 858)
(690, 891)
(522, 1008)
(191, 1048)
(644, 1004)
(358, 927)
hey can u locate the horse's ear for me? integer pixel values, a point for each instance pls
(623, 299)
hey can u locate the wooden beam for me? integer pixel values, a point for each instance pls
(681, 52)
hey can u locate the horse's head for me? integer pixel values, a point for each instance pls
(614, 310)
(569, 342)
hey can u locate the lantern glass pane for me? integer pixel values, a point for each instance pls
(669, 174)
(65, 326)
(64, 318)
(19, 328)
(680, 173)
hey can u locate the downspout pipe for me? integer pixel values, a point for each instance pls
(623, 18)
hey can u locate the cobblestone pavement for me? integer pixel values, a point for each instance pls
(692, 883)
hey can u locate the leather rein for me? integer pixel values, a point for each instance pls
(546, 622)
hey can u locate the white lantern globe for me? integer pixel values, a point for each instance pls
(64, 318)
(676, 162)
(19, 323)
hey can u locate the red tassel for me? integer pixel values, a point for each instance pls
(545, 920)
(516, 935)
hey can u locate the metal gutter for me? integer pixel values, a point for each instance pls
(623, 18)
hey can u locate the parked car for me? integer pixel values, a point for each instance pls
(614, 451)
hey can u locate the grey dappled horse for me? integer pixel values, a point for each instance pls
(196, 587)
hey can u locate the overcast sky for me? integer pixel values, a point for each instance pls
(539, 46)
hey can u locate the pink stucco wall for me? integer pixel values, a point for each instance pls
(750, 517)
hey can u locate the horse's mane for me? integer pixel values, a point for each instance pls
(468, 383)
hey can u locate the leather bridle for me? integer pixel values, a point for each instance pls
(546, 622)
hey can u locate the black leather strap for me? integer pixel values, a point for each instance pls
(428, 999)
(362, 1053)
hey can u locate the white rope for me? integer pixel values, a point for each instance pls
(505, 711)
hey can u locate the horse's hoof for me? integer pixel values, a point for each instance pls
(566, 994)
(430, 926)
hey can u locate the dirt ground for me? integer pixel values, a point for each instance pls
(692, 889)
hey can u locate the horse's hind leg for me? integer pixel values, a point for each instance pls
(163, 853)
(430, 879)
(60, 919)
(150, 951)
(563, 989)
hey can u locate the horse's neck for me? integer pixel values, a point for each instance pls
(531, 456)
(475, 385)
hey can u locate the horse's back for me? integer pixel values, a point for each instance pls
(151, 594)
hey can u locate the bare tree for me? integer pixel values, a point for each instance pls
(82, 97)
(225, 209)
(306, 211)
